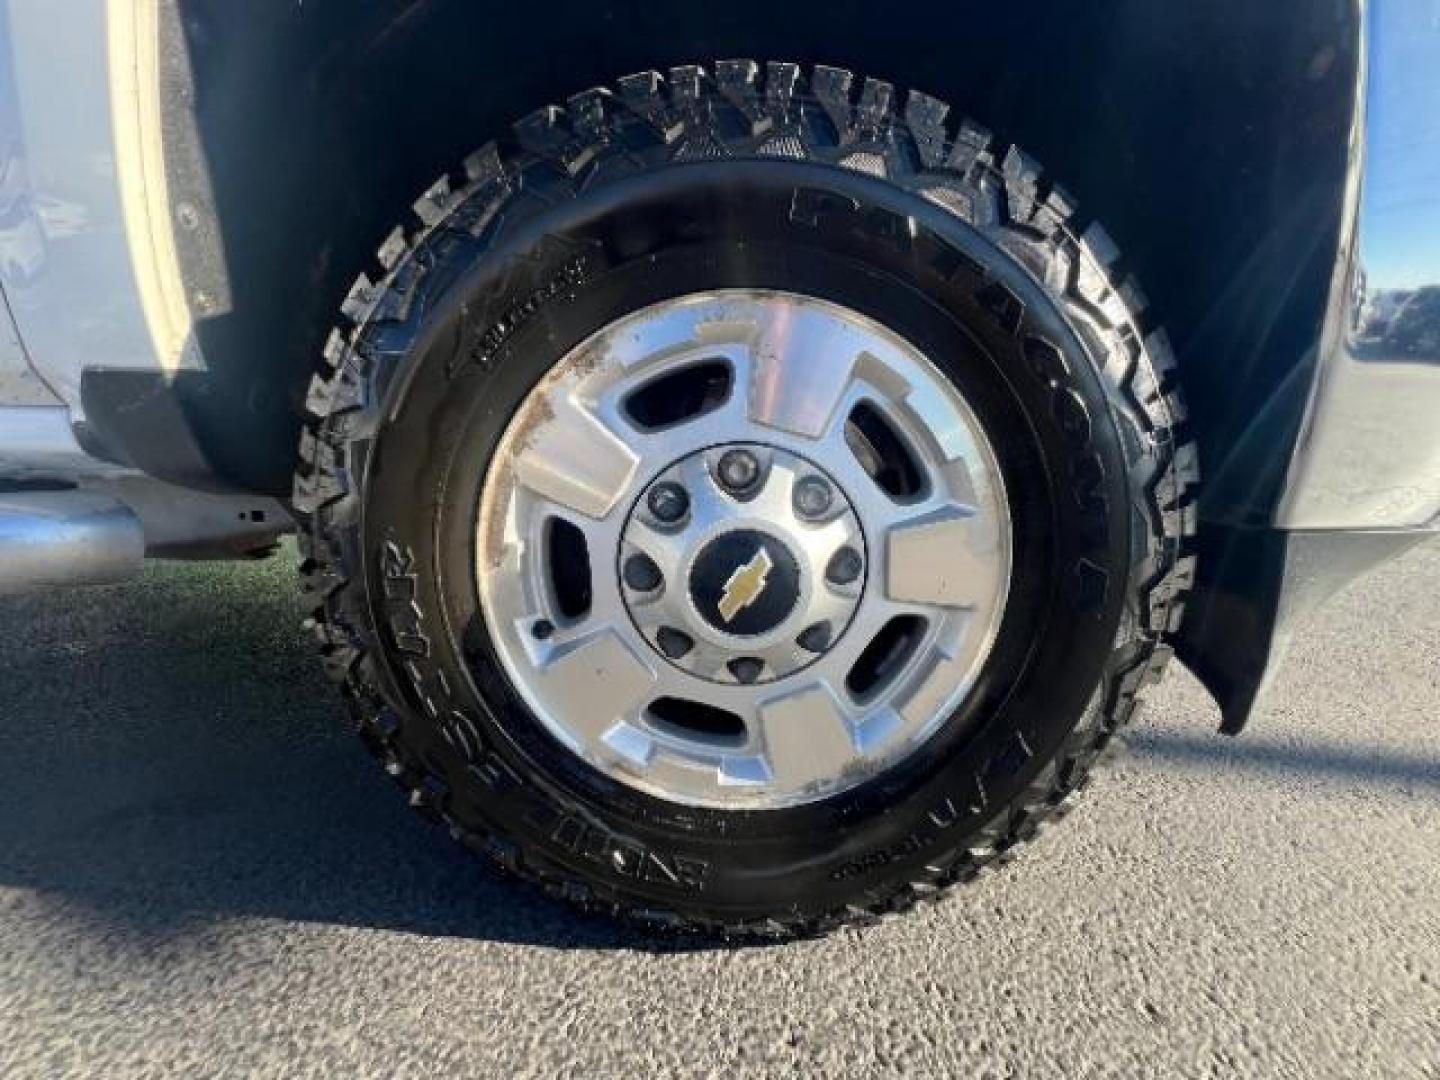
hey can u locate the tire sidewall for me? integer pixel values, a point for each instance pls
(823, 232)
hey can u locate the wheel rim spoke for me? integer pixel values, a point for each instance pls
(572, 458)
(801, 366)
(946, 559)
(806, 735)
(596, 679)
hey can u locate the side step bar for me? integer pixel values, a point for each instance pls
(60, 538)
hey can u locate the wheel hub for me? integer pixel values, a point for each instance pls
(749, 530)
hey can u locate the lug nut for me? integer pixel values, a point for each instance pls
(668, 502)
(812, 497)
(814, 638)
(542, 629)
(673, 643)
(641, 573)
(844, 566)
(746, 669)
(737, 469)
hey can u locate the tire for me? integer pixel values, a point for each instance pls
(769, 177)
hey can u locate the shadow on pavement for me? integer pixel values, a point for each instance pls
(169, 752)
(1253, 751)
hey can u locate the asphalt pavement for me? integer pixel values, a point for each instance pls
(202, 874)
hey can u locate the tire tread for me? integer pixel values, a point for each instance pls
(925, 146)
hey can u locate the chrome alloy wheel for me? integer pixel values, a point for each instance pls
(743, 549)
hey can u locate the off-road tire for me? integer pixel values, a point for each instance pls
(1027, 256)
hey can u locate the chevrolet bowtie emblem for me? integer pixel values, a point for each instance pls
(745, 585)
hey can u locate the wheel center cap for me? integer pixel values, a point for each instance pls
(745, 583)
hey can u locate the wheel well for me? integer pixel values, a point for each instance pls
(1211, 143)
